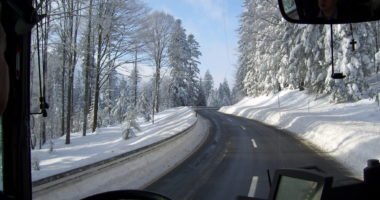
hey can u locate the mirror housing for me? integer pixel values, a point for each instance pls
(329, 11)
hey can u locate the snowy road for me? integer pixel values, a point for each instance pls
(235, 158)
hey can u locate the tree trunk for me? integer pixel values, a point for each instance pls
(70, 73)
(154, 100)
(97, 81)
(72, 62)
(69, 102)
(75, 56)
(96, 106)
(157, 89)
(109, 100)
(86, 76)
(63, 87)
(135, 79)
(64, 58)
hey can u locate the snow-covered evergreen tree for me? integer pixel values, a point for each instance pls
(192, 70)
(213, 98)
(201, 101)
(275, 54)
(130, 125)
(355, 64)
(220, 96)
(207, 85)
(109, 99)
(120, 108)
(224, 93)
(144, 105)
(246, 46)
(165, 99)
(178, 52)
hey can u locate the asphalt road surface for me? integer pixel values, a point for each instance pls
(234, 161)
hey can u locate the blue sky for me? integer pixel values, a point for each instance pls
(214, 24)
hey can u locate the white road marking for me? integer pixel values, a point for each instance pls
(252, 189)
(254, 143)
(242, 127)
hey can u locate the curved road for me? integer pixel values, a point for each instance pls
(235, 158)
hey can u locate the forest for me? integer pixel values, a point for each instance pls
(86, 60)
(275, 55)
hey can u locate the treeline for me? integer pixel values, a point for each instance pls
(77, 49)
(216, 96)
(275, 54)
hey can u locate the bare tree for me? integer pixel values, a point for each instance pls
(63, 36)
(117, 24)
(87, 66)
(73, 25)
(157, 31)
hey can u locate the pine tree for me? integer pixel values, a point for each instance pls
(120, 108)
(144, 104)
(193, 70)
(213, 98)
(224, 94)
(178, 53)
(130, 125)
(246, 46)
(201, 101)
(207, 85)
(275, 54)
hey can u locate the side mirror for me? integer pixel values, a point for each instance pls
(300, 184)
(304, 183)
(329, 11)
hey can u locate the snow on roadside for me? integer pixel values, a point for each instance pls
(350, 131)
(108, 142)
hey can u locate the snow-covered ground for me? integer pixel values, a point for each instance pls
(134, 173)
(348, 131)
(108, 142)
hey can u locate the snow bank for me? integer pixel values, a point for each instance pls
(108, 142)
(350, 131)
(137, 172)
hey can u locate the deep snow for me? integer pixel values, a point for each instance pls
(350, 132)
(136, 173)
(108, 142)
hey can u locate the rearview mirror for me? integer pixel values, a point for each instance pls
(330, 11)
(300, 184)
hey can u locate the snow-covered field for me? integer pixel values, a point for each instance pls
(349, 131)
(108, 142)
